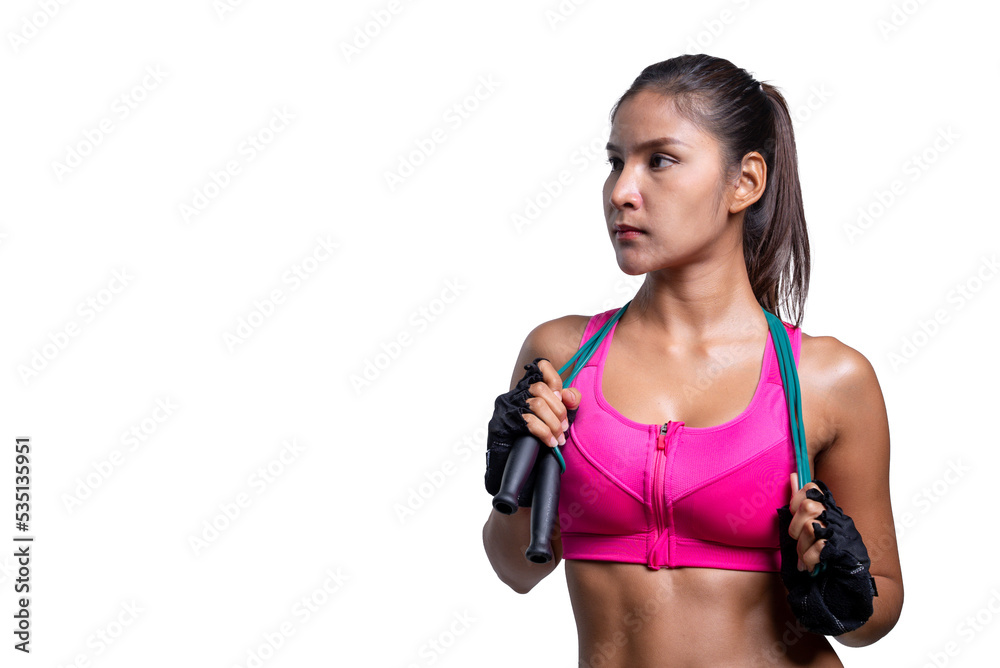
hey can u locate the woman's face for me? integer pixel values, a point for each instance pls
(666, 181)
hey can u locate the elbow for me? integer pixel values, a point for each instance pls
(868, 634)
(523, 581)
(888, 606)
(518, 584)
(495, 555)
(519, 587)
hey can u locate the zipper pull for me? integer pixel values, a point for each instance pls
(661, 439)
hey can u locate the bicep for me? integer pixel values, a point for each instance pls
(855, 466)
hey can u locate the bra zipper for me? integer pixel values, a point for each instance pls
(661, 444)
(661, 439)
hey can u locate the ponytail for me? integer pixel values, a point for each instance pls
(775, 240)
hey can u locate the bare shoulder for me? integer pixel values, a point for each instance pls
(834, 366)
(556, 340)
(841, 381)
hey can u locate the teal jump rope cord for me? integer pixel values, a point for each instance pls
(790, 381)
(793, 397)
(580, 358)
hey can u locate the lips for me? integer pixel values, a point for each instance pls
(626, 228)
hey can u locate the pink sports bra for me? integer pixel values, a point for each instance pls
(668, 495)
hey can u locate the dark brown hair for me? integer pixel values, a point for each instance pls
(745, 115)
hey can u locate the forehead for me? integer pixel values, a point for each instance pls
(649, 115)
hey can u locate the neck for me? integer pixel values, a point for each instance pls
(698, 301)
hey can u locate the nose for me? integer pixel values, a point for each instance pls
(625, 190)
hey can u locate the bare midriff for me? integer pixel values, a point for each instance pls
(631, 616)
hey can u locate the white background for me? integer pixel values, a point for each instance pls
(414, 436)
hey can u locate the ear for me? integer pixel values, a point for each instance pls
(752, 179)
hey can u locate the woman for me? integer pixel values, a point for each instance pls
(703, 198)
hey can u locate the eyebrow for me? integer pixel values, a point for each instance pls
(660, 141)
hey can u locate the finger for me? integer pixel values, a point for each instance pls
(550, 408)
(804, 544)
(793, 503)
(570, 397)
(539, 429)
(551, 397)
(555, 403)
(811, 556)
(542, 410)
(807, 513)
(550, 375)
(799, 495)
(807, 537)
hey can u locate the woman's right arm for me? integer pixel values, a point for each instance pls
(506, 537)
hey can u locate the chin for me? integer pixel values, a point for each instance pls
(636, 261)
(632, 269)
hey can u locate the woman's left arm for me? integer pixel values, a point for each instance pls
(855, 468)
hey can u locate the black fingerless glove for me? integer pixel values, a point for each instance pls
(839, 598)
(504, 428)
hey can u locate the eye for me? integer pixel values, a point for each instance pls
(613, 162)
(660, 156)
